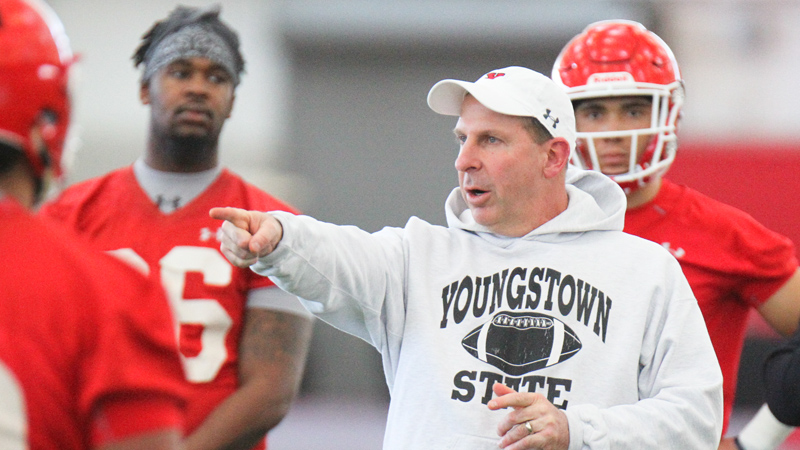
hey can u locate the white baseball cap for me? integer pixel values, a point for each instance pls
(514, 91)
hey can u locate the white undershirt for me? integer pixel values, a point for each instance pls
(172, 190)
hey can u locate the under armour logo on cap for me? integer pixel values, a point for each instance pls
(513, 91)
(548, 116)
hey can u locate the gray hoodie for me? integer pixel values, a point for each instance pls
(600, 322)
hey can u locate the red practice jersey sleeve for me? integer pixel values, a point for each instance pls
(88, 353)
(732, 262)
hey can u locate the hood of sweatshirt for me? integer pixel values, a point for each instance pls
(595, 203)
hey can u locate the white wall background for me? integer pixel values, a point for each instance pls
(112, 123)
(740, 60)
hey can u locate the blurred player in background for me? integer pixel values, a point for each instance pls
(87, 345)
(243, 341)
(627, 92)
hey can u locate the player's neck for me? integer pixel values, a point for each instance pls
(645, 194)
(19, 183)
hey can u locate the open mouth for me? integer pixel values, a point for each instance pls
(475, 194)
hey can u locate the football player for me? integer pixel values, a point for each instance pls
(243, 342)
(627, 91)
(87, 346)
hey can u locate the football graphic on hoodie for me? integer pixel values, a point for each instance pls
(521, 342)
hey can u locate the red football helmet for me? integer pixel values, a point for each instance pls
(35, 58)
(616, 58)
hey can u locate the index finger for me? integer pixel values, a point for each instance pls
(500, 390)
(516, 400)
(236, 216)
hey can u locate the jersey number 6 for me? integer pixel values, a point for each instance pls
(208, 313)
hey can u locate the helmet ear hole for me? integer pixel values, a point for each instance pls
(10, 156)
(48, 117)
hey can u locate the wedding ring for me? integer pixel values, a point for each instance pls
(529, 427)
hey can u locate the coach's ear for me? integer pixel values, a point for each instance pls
(557, 157)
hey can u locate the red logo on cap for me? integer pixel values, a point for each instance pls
(494, 75)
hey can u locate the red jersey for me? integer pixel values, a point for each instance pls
(208, 293)
(87, 347)
(732, 263)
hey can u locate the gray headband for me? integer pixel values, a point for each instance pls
(197, 40)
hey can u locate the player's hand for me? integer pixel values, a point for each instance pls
(549, 424)
(247, 235)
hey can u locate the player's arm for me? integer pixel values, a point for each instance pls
(782, 310)
(168, 439)
(272, 357)
(139, 405)
(781, 374)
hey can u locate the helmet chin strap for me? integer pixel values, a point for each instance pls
(629, 187)
(640, 164)
(641, 170)
(644, 193)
